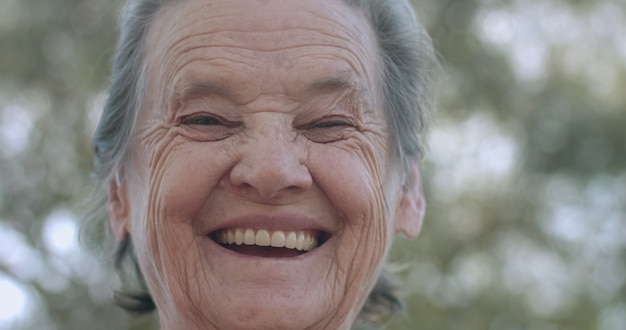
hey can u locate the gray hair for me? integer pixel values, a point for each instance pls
(408, 66)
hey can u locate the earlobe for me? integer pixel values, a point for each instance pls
(118, 207)
(412, 206)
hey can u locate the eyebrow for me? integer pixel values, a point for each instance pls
(197, 89)
(342, 83)
(334, 84)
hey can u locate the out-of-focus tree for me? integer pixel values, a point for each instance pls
(54, 63)
(525, 176)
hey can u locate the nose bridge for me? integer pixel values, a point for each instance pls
(271, 160)
(271, 140)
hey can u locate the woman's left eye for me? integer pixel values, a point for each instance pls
(327, 131)
(330, 124)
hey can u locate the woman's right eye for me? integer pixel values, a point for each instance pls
(206, 127)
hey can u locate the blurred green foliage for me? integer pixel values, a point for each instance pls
(525, 176)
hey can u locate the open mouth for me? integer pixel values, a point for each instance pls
(270, 244)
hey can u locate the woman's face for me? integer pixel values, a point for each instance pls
(260, 192)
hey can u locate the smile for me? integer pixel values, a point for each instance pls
(265, 243)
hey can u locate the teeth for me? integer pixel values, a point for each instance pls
(300, 241)
(303, 240)
(249, 238)
(291, 241)
(262, 238)
(231, 237)
(278, 239)
(238, 237)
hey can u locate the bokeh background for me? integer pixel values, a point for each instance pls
(525, 176)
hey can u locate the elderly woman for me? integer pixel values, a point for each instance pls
(260, 156)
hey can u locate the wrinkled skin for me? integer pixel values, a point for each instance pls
(261, 114)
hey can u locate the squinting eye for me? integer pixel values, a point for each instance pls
(329, 124)
(201, 120)
(330, 130)
(207, 127)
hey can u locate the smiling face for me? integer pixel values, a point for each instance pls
(260, 192)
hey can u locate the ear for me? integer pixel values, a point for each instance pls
(118, 207)
(412, 206)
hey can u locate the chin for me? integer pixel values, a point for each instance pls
(273, 312)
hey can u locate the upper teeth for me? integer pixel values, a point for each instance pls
(303, 240)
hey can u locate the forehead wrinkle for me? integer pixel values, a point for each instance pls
(221, 22)
(211, 81)
(183, 44)
(176, 63)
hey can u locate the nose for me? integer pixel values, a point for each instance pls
(271, 165)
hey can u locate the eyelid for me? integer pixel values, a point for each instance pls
(206, 127)
(218, 120)
(330, 122)
(329, 129)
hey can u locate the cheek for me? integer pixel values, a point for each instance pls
(183, 179)
(178, 179)
(351, 176)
